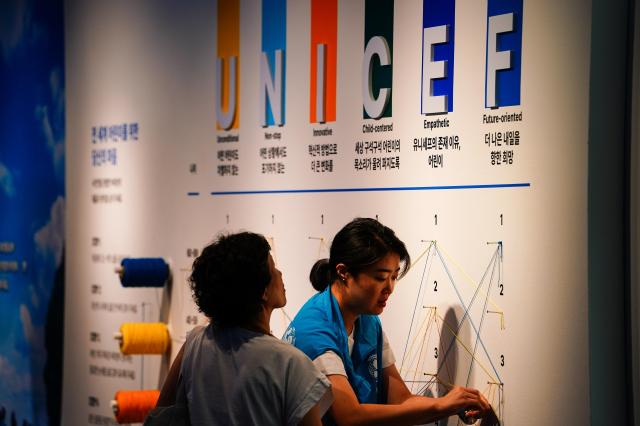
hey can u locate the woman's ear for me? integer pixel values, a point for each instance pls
(342, 271)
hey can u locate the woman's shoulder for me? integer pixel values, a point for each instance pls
(195, 331)
(194, 334)
(282, 350)
(314, 312)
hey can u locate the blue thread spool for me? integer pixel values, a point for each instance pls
(144, 272)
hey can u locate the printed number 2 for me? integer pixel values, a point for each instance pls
(501, 289)
(435, 286)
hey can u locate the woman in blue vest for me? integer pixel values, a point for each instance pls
(339, 330)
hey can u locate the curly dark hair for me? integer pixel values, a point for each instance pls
(359, 244)
(229, 278)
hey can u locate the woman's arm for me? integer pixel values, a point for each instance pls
(312, 418)
(397, 393)
(403, 408)
(170, 386)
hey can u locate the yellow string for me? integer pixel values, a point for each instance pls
(474, 285)
(439, 380)
(487, 393)
(445, 361)
(417, 335)
(286, 316)
(470, 281)
(415, 262)
(425, 337)
(144, 338)
(322, 244)
(502, 326)
(467, 349)
(419, 332)
(491, 396)
(427, 320)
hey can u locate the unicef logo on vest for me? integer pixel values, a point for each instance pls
(290, 335)
(373, 365)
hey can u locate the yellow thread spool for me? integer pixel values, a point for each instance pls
(144, 338)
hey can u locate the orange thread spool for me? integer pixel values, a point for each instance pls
(133, 406)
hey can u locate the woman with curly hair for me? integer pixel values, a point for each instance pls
(233, 371)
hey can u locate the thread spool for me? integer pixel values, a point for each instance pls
(143, 272)
(133, 406)
(466, 419)
(138, 338)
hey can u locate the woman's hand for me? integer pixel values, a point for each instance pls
(490, 419)
(467, 401)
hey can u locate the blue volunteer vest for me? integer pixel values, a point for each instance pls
(318, 327)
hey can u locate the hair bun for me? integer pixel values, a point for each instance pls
(320, 274)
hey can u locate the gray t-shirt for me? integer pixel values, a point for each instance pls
(235, 376)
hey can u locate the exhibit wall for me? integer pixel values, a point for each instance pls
(462, 125)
